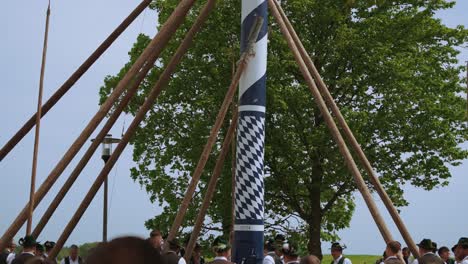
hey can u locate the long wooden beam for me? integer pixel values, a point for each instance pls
(72, 79)
(155, 46)
(214, 132)
(177, 17)
(361, 185)
(350, 137)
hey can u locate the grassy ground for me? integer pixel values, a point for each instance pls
(355, 259)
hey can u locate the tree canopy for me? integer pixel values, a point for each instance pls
(391, 67)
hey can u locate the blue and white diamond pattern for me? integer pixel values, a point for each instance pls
(249, 170)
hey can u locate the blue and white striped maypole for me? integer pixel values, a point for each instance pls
(248, 225)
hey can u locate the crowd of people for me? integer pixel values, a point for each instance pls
(277, 250)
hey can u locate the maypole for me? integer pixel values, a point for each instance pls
(249, 205)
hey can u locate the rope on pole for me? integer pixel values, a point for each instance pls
(361, 185)
(72, 79)
(350, 137)
(210, 142)
(38, 124)
(211, 188)
(155, 46)
(176, 19)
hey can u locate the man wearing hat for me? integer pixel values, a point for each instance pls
(462, 250)
(49, 245)
(279, 241)
(290, 253)
(426, 254)
(29, 247)
(337, 254)
(222, 249)
(172, 254)
(269, 251)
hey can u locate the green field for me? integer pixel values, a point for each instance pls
(355, 259)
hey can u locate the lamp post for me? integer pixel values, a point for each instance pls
(106, 153)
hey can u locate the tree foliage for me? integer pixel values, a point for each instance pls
(390, 65)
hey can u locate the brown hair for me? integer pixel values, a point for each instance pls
(394, 246)
(311, 259)
(125, 250)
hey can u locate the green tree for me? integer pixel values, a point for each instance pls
(390, 65)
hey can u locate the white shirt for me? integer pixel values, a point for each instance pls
(465, 260)
(345, 261)
(268, 260)
(220, 258)
(71, 261)
(11, 257)
(182, 261)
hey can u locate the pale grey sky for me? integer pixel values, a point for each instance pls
(76, 29)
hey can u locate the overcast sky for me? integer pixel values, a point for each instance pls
(76, 29)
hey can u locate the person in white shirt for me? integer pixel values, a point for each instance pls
(391, 252)
(462, 250)
(426, 253)
(269, 252)
(73, 257)
(337, 254)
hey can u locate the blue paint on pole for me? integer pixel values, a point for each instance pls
(249, 204)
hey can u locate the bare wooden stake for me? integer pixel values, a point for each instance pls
(361, 185)
(72, 79)
(213, 133)
(179, 14)
(350, 137)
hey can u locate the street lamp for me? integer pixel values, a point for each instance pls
(106, 153)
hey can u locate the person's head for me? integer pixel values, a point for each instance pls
(156, 238)
(406, 252)
(73, 253)
(174, 245)
(337, 250)
(11, 246)
(290, 251)
(434, 250)
(39, 249)
(28, 243)
(311, 259)
(444, 253)
(425, 246)
(279, 241)
(49, 245)
(462, 247)
(125, 250)
(393, 247)
(269, 245)
(221, 247)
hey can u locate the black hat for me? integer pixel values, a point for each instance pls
(290, 249)
(39, 247)
(27, 241)
(270, 244)
(220, 245)
(427, 244)
(463, 242)
(49, 245)
(454, 248)
(338, 246)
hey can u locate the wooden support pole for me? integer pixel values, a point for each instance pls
(213, 133)
(72, 79)
(211, 188)
(93, 147)
(361, 185)
(147, 105)
(155, 46)
(38, 124)
(350, 137)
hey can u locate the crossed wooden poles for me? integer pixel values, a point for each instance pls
(128, 86)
